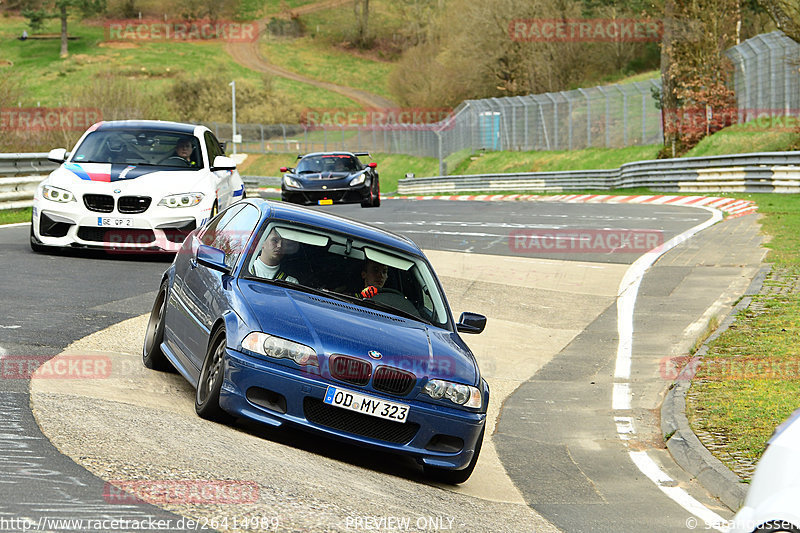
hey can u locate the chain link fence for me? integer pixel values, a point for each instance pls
(611, 116)
(766, 76)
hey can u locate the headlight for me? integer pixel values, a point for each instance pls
(291, 182)
(57, 195)
(189, 199)
(358, 180)
(278, 348)
(455, 392)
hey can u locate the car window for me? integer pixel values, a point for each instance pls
(234, 236)
(137, 146)
(337, 264)
(328, 163)
(212, 147)
(217, 224)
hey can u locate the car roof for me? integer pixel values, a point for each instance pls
(303, 215)
(351, 154)
(161, 125)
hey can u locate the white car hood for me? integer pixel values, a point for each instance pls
(128, 179)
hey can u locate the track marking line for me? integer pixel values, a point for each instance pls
(621, 393)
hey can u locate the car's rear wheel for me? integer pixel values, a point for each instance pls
(152, 355)
(454, 477)
(206, 402)
(373, 200)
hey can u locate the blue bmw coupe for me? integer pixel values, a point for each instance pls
(283, 314)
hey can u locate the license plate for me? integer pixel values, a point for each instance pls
(106, 222)
(326, 201)
(368, 405)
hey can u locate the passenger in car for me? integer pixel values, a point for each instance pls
(268, 263)
(374, 275)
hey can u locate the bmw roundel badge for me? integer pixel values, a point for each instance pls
(374, 354)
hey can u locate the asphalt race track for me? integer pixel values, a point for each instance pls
(555, 458)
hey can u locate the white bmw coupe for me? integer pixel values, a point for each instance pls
(133, 185)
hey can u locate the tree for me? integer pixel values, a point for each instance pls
(696, 98)
(37, 12)
(785, 14)
(361, 10)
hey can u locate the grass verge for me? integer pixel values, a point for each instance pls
(13, 216)
(748, 382)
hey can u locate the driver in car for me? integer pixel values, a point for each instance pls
(268, 263)
(183, 153)
(374, 275)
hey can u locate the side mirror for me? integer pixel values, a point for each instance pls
(57, 155)
(471, 323)
(212, 258)
(284, 169)
(372, 165)
(223, 163)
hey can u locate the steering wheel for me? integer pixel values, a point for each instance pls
(387, 290)
(176, 158)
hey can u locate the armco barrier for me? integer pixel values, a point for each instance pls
(764, 172)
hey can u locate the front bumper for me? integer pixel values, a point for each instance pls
(351, 195)
(274, 395)
(158, 229)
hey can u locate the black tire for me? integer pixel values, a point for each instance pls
(776, 527)
(206, 400)
(36, 246)
(376, 202)
(152, 355)
(455, 477)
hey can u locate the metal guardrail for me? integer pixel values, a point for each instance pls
(763, 172)
(20, 173)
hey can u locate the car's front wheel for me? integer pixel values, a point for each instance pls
(454, 477)
(36, 246)
(152, 355)
(206, 402)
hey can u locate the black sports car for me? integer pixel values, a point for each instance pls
(325, 178)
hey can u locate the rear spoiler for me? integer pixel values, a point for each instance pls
(361, 154)
(300, 156)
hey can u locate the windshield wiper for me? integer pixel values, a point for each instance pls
(305, 288)
(380, 306)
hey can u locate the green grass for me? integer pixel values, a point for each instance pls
(151, 65)
(316, 59)
(391, 167)
(754, 136)
(730, 395)
(13, 216)
(589, 159)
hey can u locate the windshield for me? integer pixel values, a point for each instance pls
(345, 268)
(140, 147)
(328, 163)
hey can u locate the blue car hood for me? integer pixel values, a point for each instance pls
(335, 327)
